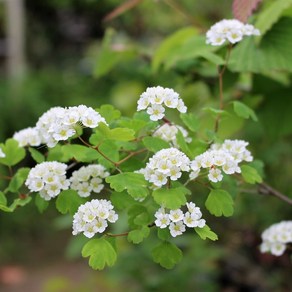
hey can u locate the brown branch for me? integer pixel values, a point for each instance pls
(131, 155)
(266, 189)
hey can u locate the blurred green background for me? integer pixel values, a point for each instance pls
(81, 52)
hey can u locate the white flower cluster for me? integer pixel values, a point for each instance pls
(231, 30)
(218, 158)
(166, 164)
(58, 124)
(93, 217)
(177, 220)
(276, 237)
(155, 98)
(48, 178)
(28, 137)
(2, 154)
(168, 133)
(88, 179)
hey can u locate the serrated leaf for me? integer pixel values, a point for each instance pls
(206, 232)
(243, 9)
(138, 216)
(13, 152)
(41, 204)
(167, 255)
(244, 111)
(108, 112)
(191, 121)
(36, 155)
(80, 152)
(118, 134)
(138, 235)
(250, 174)
(134, 183)
(154, 144)
(273, 53)
(271, 15)
(122, 200)
(219, 203)
(68, 201)
(18, 180)
(172, 198)
(163, 233)
(100, 252)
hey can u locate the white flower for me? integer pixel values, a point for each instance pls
(215, 175)
(88, 179)
(2, 154)
(276, 237)
(177, 228)
(93, 217)
(28, 137)
(231, 30)
(47, 178)
(166, 164)
(176, 215)
(154, 99)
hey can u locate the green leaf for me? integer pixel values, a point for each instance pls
(3, 200)
(118, 134)
(273, 53)
(244, 111)
(172, 198)
(138, 235)
(167, 255)
(80, 152)
(134, 124)
(163, 233)
(250, 174)
(206, 232)
(68, 201)
(180, 139)
(138, 216)
(191, 121)
(41, 204)
(109, 112)
(56, 154)
(219, 202)
(14, 153)
(18, 180)
(110, 150)
(122, 200)
(268, 17)
(170, 46)
(134, 183)
(36, 155)
(154, 144)
(20, 202)
(100, 252)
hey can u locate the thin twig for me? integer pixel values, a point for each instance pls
(266, 189)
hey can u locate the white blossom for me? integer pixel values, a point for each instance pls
(231, 30)
(93, 217)
(155, 99)
(28, 137)
(276, 237)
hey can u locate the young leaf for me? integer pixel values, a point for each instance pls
(13, 152)
(68, 201)
(134, 183)
(19, 203)
(36, 155)
(18, 180)
(80, 152)
(118, 134)
(41, 204)
(250, 174)
(100, 252)
(109, 112)
(191, 121)
(219, 202)
(154, 144)
(171, 198)
(244, 111)
(138, 235)
(167, 255)
(243, 9)
(206, 232)
(138, 216)
(163, 234)
(122, 200)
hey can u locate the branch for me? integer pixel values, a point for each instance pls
(265, 189)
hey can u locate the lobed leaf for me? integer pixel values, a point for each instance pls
(138, 235)
(108, 112)
(206, 232)
(17, 180)
(14, 153)
(68, 201)
(191, 121)
(250, 174)
(154, 144)
(36, 155)
(244, 111)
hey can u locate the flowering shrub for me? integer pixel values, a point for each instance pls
(101, 167)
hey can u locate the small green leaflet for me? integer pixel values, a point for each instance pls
(100, 252)
(250, 174)
(191, 121)
(134, 183)
(154, 144)
(138, 235)
(206, 232)
(138, 216)
(41, 204)
(219, 203)
(167, 255)
(36, 155)
(68, 201)
(108, 112)
(16, 203)
(118, 134)
(171, 198)
(14, 153)
(18, 180)
(244, 111)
